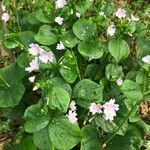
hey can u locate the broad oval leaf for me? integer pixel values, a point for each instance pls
(42, 140)
(59, 98)
(119, 49)
(90, 49)
(46, 36)
(83, 29)
(63, 134)
(87, 91)
(36, 118)
(68, 67)
(90, 138)
(131, 90)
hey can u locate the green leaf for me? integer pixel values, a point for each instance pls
(87, 91)
(41, 16)
(83, 29)
(46, 36)
(63, 134)
(113, 72)
(32, 19)
(119, 49)
(90, 49)
(11, 90)
(12, 95)
(90, 138)
(69, 39)
(59, 98)
(131, 141)
(42, 140)
(111, 127)
(59, 82)
(36, 118)
(68, 67)
(131, 90)
(83, 5)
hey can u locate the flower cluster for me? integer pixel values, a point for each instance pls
(110, 109)
(72, 114)
(41, 56)
(146, 59)
(5, 16)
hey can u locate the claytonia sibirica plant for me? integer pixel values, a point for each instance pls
(74, 74)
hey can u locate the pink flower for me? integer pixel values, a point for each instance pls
(73, 106)
(60, 46)
(95, 108)
(46, 57)
(34, 65)
(121, 13)
(60, 3)
(35, 49)
(110, 109)
(146, 59)
(59, 20)
(119, 81)
(78, 14)
(111, 30)
(3, 7)
(31, 79)
(5, 17)
(72, 116)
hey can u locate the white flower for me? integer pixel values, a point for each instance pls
(59, 20)
(102, 14)
(78, 14)
(134, 18)
(46, 57)
(60, 46)
(31, 79)
(35, 49)
(72, 116)
(146, 59)
(35, 88)
(110, 109)
(60, 3)
(3, 7)
(111, 30)
(5, 17)
(119, 81)
(34, 65)
(72, 106)
(95, 108)
(121, 13)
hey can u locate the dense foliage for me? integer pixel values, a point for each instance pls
(73, 74)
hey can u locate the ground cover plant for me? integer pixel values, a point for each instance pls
(75, 74)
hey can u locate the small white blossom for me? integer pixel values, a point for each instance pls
(119, 81)
(35, 49)
(95, 108)
(111, 30)
(3, 7)
(121, 13)
(35, 88)
(60, 3)
(146, 59)
(72, 116)
(110, 109)
(5, 17)
(60, 46)
(46, 57)
(32, 79)
(59, 20)
(34, 65)
(78, 14)
(73, 106)
(134, 18)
